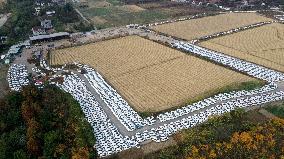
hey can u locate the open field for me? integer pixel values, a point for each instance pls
(196, 28)
(121, 15)
(110, 13)
(150, 76)
(263, 45)
(3, 18)
(276, 109)
(2, 2)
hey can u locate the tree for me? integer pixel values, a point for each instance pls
(20, 154)
(44, 123)
(33, 146)
(82, 153)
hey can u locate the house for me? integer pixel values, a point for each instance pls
(3, 39)
(46, 24)
(38, 31)
(37, 11)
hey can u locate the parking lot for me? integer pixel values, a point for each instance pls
(116, 125)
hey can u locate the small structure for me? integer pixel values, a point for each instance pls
(3, 39)
(2, 57)
(37, 11)
(7, 61)
(49, 37)
(46, 24)
(38, 31)
(60, 2)
(50, 13)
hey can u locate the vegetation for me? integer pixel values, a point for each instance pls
(141, 17)
(3, 81)
(232, 135)
(65, 15)
(21, 21)
(277, 109)
(44, 123)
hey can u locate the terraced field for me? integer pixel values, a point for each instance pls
(263, 45)
(196, 28)
(150, 76)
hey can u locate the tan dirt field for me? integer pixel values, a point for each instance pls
(131, 8)
(196, 28)
(2, 3)
(98, 20)
(99, 4)
(150, 76)
(263, 45)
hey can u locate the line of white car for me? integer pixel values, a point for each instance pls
(17, 77)
(119, 107)
(161, 133)
(212, 100)
(246, 67)
(108, 139)
(215, 35)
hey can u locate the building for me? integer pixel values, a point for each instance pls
(49, 37)
(7, 61)
(37, 11)
(46, 24)
(59, 2)
(3, 39)
(38, 31)
(2, 57)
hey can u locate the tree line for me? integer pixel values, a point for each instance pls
(44, 123)
(235, 135)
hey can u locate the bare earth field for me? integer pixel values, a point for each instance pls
(263, 45)
(2, 2)
(150, 76)
(3, 18)
(196, 28)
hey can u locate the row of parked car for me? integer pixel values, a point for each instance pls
(231, 31)
(119, 107)
(44, 65)
(246, 67)
(108, 139)
(17, 77)
(165, 129)
(212, 100)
